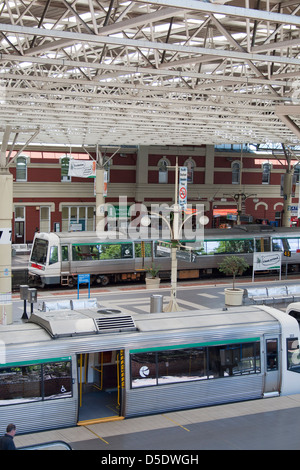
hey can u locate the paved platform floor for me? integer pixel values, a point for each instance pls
(266, 424)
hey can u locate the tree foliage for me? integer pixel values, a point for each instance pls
(234, 266)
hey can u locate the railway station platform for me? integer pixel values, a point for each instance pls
(265, 424)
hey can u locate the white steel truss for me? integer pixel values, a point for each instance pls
(150, 72)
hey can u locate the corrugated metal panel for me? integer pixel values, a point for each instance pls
(133, 340)
(150, 400)
(41, 415)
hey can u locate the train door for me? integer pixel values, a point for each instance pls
(19, 232)
(20, 224)
(100, 385)
(272, 364)
(65, 259)
(262, 244)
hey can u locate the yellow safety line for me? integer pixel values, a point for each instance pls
(175, 422)
(99, 420)
(97, 435)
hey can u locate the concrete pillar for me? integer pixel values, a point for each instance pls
(287, 199)
(100, 200)
(6, 210)
(209, 164)
(141, 173)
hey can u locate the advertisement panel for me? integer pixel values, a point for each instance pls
(267, 260)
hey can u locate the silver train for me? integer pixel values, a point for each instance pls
(83, 365)
(58, 258)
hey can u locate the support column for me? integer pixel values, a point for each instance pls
(287, 199)
(6, 210)
(209, 164)
(141, 173)
(100, 200)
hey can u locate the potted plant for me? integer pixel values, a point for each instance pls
(152, 278)
(234, 266)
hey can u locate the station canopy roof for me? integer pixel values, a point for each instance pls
(150, 72)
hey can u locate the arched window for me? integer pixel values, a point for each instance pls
(190, 164)
(236, 172)
(21, 168)
(163, 170)
(266, 172)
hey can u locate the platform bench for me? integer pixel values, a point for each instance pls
(68, 305)
(271, 295)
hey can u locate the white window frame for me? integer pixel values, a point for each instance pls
(26, 160)
(234, 172)
(163, 173)
(266, 173)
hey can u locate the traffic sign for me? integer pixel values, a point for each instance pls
(182, 190)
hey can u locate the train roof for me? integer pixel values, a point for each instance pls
(44, 326)
(238, 231)
(257, 229)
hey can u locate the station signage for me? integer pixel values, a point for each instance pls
(82, 168)
(186, 255)
(267, 260)
(182, 187)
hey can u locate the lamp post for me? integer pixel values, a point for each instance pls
(175, 233)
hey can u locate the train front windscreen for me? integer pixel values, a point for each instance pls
(39, 251)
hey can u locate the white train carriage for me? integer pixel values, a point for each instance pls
(80, 366)
(58, 258)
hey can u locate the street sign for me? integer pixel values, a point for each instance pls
(182, 187)
(186, 255)
(83, 279)
(163, 251)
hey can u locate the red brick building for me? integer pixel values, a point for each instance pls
(47, 199)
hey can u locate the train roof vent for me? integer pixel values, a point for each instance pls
(117, 323)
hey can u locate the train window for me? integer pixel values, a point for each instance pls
(57, 380)
(222, 360)
(277, 244)
(19, 384)
(294, 244)
(82, 252)
(143, 369)
(293, 355)
(39, 251)
(126, 251)
(143, 249)
(65, 253)
(262, 244)
(53, 257)
(198, 363)
(110, 252)
(181, 365)
(229, 247)
(272, 354)
(249, 362)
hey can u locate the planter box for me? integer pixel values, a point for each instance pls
(152, 283)
(234, 296)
